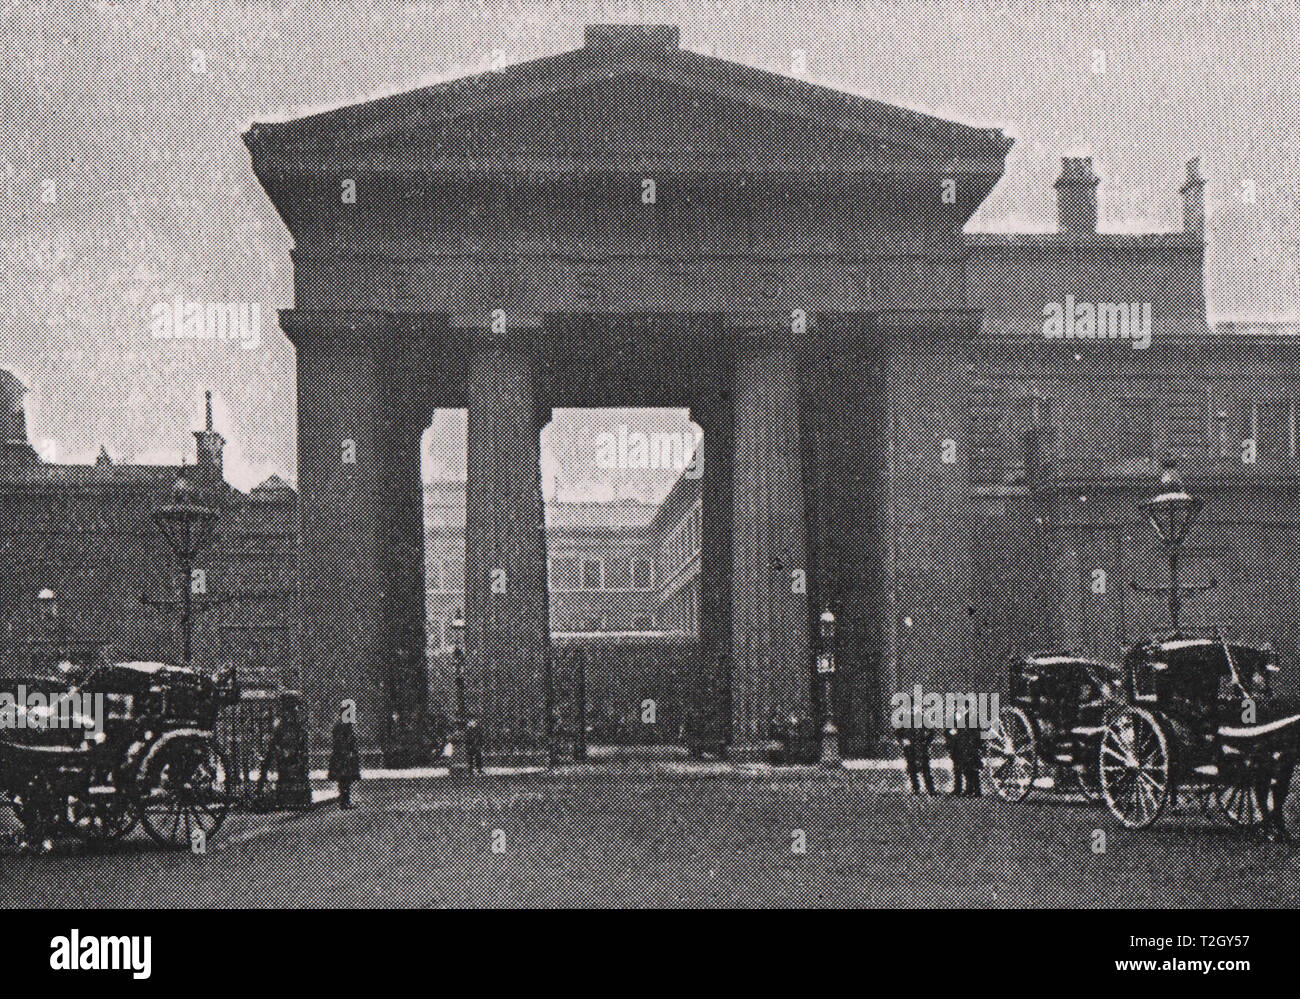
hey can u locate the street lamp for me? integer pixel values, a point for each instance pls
(187, 525)
(773, 623)
(48, 602)
(826, 670)
(456, 632)
(1172, 511)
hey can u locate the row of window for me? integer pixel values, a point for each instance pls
(586, 572)
(1013, 434)
(568, 572)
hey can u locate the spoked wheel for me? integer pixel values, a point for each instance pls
(100, 813)
(1011, 754)
(1240, 803)
(1089, 780)
(1134, 760)
(187, 789)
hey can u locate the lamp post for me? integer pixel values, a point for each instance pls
(1172, 511)
(456, 630)
(48, 602)
(187, 525)
(830, 756)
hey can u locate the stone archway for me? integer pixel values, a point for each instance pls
(626, 224)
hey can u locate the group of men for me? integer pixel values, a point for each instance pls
(963, 747)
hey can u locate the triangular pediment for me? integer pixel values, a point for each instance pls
(623, 99)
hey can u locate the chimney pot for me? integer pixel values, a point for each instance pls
(1076, 196)
(1193, 192)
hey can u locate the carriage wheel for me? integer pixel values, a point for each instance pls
(1134, 761)
(1011, 754)
(1239, 802)
(186, 789)
(1088, 779)
(100, 816)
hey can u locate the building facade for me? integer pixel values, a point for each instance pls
(1019, 455)
(85, 533)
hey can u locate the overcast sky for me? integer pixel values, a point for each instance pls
(154, 197)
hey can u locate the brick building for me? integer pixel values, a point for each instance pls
(86, 533)
(1029, 535)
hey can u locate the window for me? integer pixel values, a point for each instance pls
(618, 574)
(1134, 440)
(986, 438)
(591, 574)
(564, 573)
(1188, 422)
(1268, 424)
(453, 575)
(1273, 432)
(642, 574)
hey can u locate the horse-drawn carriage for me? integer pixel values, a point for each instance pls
(1052, 726)
(146, 752)
(1199, 719)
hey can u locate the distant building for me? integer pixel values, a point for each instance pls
(624, 588)
(86, 533)
(623, 566)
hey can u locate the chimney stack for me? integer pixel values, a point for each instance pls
(1193, 192)
(15, 447)
(1076, 196)
(209, 443)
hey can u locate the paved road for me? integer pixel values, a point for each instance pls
(651, 839)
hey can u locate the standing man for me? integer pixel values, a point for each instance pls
(916, 753)
(964, 748)
(345, 761)
(474, 744)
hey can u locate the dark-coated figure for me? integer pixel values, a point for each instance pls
(473, 745)
(964, 745)
(345, 761)
(916, 754)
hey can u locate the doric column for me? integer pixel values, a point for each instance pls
(709, 711)
(407, 410)
(771, 665)
(506, 637)
(847, 488)
(362, 566)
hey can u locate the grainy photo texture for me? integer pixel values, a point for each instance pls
(725, 454)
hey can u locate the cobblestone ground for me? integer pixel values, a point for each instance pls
(610, 836)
